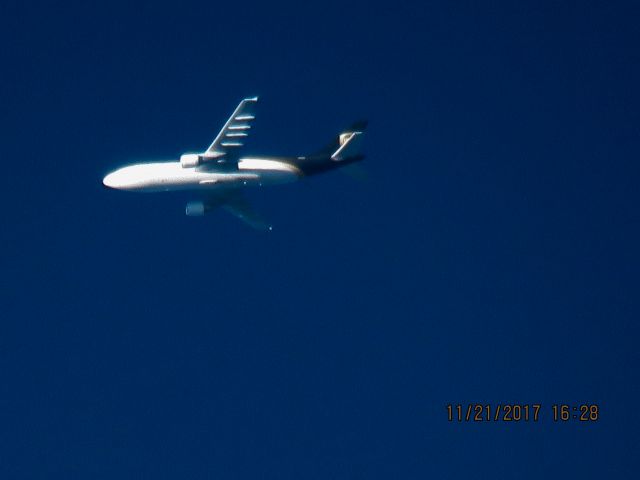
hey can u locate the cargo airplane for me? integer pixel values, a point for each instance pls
(220, 173)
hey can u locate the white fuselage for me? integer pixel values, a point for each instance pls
(170, 176)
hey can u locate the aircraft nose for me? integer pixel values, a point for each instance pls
(110, 181)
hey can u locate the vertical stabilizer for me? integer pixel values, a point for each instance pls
(347, 144)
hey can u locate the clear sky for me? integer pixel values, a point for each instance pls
(491, 257)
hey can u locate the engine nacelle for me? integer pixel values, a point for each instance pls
(195, 209)
(189, 160)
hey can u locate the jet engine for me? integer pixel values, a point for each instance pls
(189, 160)
(195, 209)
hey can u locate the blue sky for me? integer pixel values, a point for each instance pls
(492, 257)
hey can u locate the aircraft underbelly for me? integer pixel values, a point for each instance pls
(199, 181)
(269, 171)
(274, 177)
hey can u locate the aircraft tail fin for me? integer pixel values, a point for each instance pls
(347, 144)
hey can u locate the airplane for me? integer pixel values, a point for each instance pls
(220, 173)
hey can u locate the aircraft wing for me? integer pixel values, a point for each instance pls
(227, 144)
(232, 201)
(239, 207)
